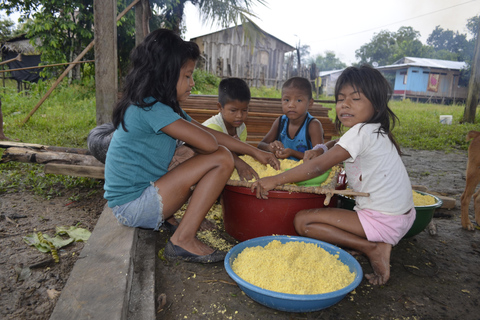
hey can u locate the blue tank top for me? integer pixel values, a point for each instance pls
(301, 141)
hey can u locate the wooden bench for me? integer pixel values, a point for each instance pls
(262, 112)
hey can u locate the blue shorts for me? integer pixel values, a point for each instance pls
(144, 212)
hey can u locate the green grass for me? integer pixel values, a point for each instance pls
(68, 115)
(64, 119)
(419, 127)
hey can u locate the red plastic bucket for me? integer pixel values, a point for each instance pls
(246, 217)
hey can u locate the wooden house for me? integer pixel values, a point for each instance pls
(29, 58)
(425, 79)
(329, 79)
(258, 58)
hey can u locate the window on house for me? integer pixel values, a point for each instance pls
(404, 76)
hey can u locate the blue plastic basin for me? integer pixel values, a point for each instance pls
(293, 302)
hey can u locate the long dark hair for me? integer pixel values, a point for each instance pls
(377, 90)
(154, 71)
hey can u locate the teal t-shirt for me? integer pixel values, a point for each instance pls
(141, 155)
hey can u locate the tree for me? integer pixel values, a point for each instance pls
(59, 29)
(328, 62)
(7, 29)
(380, 49)
(456, 43)
(387, 47)
(64, 28)
(171, 12)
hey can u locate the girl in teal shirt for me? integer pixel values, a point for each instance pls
(149, 122)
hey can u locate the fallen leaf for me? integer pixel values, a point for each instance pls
(52, 293)
(23, 273)
(413, 267)
(78, 234)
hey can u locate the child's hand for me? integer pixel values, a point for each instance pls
(262, 186)
(267, 158)
(245, 171)
(276, 146)
(284, 153)
(310, 154)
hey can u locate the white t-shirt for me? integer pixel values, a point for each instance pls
(375, 167)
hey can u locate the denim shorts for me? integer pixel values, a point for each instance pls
(144, 212)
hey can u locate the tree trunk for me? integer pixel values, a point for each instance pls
(473, 85)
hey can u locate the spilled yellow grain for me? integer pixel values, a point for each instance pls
(294, 267)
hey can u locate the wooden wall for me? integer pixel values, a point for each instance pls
(228, 53)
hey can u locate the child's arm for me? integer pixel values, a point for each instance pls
(318, 151)
(315, 131)
(235, 145)
(305, 171)
(270, 143)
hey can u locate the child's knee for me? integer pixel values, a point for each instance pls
(226, 157)
(299, 223)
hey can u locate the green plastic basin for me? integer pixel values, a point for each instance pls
(423, 218)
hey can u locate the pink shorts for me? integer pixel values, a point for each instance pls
(385, 228)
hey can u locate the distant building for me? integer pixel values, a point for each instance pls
(29, 58)
(428, 80)
(229, 53)
(329, 79)
(420, 79)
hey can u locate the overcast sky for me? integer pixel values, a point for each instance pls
(343, 26)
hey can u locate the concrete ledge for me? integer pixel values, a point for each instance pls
(100, 283)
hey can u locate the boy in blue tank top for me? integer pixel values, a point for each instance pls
(296, 131)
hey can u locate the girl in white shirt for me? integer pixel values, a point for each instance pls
(372, 164)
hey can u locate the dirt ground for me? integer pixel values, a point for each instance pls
(432, 277)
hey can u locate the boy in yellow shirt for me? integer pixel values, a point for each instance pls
(233, 100)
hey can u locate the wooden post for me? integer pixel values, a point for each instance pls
(142, 16)
(106, 79)
(71, 65)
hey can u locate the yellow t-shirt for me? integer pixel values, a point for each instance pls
(216, 123)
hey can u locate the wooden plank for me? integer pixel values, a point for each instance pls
(76, 170)
(100, 282)
(259, 123)
(8, 144)
(44, 157)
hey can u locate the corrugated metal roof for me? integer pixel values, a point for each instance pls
(427, 63)
(326, 73)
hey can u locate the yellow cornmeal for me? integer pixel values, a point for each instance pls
(268, 171)
(420, 200)
(265, 170)
(293, 267)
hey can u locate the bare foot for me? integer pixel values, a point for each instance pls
(380, 261)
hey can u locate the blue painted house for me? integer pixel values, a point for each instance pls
(427, 79)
